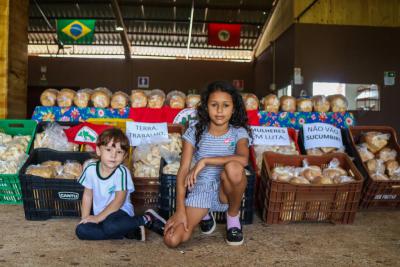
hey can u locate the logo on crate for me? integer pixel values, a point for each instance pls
(385, 197)
(68, 195)
(86, 134)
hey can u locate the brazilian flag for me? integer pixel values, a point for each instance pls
(75, 31)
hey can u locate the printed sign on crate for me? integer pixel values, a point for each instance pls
(270, 136)
(321, 135)
(140, 133)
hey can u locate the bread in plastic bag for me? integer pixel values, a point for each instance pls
(271, 103)
(5, 138)
(101, 97)
(391, 167)
(42, 171)
(250, 101)
(138, 99)
(176, 99)
(54, 137)
(375, 166)
(172, 168)
(338, 103)
(82, 97)
(192, 100)
(48, 98)
(333, 170)
(386, 154)
(288, 103)
(304, 105)
(72, 168)
(119, 100)
(65, 97)
(364, 153)
(310, 172)
(320, 103)
(376, 140)
(156, 99)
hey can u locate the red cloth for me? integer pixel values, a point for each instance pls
(220, 34)
(88, 135)
(164, 114)
(254, 120)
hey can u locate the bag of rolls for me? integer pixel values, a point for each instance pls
(250, 101)
(82, 98)
(101, 97)
(138, 99)
(119, 100)
(271, 103)
(176, 99)
(49, 97)
(338, 103)
(65, 98)
(304, 105)
(156, 99)
(320, 103)
(192, 100)
(288, 103)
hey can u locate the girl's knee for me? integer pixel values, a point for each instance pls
(234, 172)
(176, 239)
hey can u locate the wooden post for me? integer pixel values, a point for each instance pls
(4, 16)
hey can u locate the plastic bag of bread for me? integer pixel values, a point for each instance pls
(333, 170)
(286, 150)
(8, 167)
(391, 167)
(42, 171)
(146, 161)
(375, 166)
(156, 99)
(54, 137)
(319, 151)
(171, 151)
(320, 103)
(323, 180)
(72, 168)
(299, 180)
(172, 168)
(283, 173)
(192, 100)
(288, 103)
(82, 97)
(343, 179)
(176, 99)
(365, 154)
(5, 138)
(304, 105)
(376, 140)
(119, 100)
(271, 103)
(65, 98)
(49, 97)
(396, 174)
(142, 170)
(250, 101)
(310, 172)
(138, 99)
(338, 103)
(101, 97)
(379, 177)
(386, 154)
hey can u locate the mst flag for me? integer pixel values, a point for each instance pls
(75, 31)
(223, 34)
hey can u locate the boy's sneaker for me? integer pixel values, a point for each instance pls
(157, 223)
(234, 236)
(137, 233)
(208, 226)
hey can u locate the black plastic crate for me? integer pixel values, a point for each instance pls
(167, 199)
(46, 198)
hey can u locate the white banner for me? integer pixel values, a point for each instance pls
(140, 133)
(270, 136)
(321, 135)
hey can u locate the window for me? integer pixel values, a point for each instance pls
(285, 91)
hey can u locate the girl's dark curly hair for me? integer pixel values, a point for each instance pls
(239, 116)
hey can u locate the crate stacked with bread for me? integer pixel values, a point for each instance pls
(378, 155)
(103, 98)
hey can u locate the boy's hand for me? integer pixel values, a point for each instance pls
(191, 178)
(90, 219)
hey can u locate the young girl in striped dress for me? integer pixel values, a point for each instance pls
(219, 144)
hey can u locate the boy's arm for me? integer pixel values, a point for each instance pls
(114, 206)
(87, 199)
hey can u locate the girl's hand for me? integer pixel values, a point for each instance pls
(89, 219)
(191, 178)
(173, 222)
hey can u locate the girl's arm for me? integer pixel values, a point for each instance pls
(87, 199)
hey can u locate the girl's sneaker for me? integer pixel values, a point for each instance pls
(138, 234)
(156, 222)
(208, 226)
(234, 236)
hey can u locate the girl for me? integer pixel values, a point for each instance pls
(108, 185)
(219, 143)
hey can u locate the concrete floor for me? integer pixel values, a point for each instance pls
(373, 240)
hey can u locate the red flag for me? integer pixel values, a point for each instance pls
(223, 34)
(85, 133)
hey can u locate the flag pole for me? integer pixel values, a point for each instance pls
(190, 31)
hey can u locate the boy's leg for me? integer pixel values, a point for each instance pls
(194, 216)
(90, 231)
(119, 223)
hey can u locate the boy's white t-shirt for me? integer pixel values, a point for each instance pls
(104, 188)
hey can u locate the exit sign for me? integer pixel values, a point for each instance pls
(389, 77)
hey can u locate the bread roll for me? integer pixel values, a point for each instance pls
(52, 163)
(391, 167)
(49, 97)
(320, 103)
(365, 154)
(101, 97)
(310, 172)
(192, 101)
(288, 103)
(320, 180)
(304, 105)
(42, 171)
(156, 99)
(65, 97)
(387, 154)
(119, 100)
(338, 103)
(82, 98)
(138, 99)
(250, 101)
(299, 180)
(333, 172)
(72, 168)
(176, 99)
(375, 166)
(271, 103)
(376, 141)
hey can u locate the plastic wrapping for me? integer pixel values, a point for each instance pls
(101, 97)
(176, 99)
(119, 100)
(287, 150)
(387, 154)
(334, 170)
(146, 161)
(53, 137)
(288, 103)
(304, 105)
(42, 171)
(5, 138)
(376, 140)
(250, 101)
(271, 103)
(65, 98)
(156, 99)
(310, 172)
(396, 174)
(192, 100)
(338, 103)
(320, 103)
(283, 173)
(375, 166)
(72, 169)
(365, 154)
(138, 99)
(82, 97)
(171, 151)
(391, 167)
(49, 97)
(172, 168)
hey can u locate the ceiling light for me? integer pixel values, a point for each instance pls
(119, 28)
(264, 13)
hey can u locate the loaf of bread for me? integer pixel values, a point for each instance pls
(271, 103)
(82, 98)
(156, 99)
(49, 97)
(119, 100)
(320, 103)
(304, 105)
(338, 103)
(250, 101)
(101, 97)
(176, 99)
(138, 99)
(65, 98)
(288, 103)
(192, 100)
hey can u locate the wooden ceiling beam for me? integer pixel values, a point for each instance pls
(123, 33)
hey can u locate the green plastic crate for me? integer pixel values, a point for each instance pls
(10, 188)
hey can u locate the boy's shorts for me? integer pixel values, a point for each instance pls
(205, 195)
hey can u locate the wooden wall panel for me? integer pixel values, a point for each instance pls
(4, 13)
